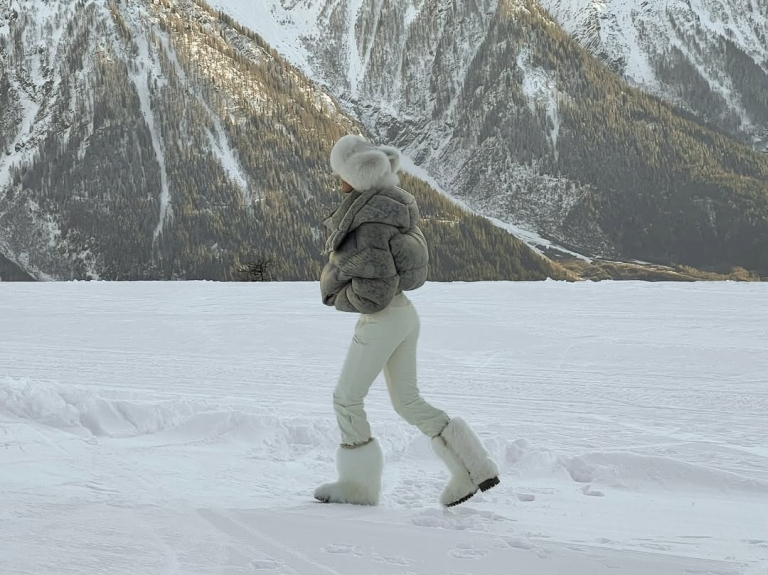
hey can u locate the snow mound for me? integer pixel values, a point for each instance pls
(105, 413)
(633, 471)
(617, 469)
(85, 412)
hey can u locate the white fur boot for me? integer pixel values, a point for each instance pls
(469, 462)
(359, 482)
(460, 487)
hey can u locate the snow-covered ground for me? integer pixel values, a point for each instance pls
(181, 428)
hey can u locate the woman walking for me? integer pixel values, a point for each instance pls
(377, 252)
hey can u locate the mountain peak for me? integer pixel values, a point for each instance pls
(707, 56)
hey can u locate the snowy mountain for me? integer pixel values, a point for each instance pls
(707, 56)
(153, 429)
(161, 139)
(512, 117)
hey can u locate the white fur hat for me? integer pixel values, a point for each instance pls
(363, 165)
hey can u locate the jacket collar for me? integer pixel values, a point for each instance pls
(340, 221)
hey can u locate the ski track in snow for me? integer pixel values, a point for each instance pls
(226, 155)
(219, 142)
(141, 81)
(355, 61)
(538, 86)
(181, 428)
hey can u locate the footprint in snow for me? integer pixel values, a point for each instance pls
(466, 551)
(459, 519)
(397, 561)
(242, 563)
(353, 551)
(344, 550)
(518, 542)
(587, 490)
(266, 565)
(655, 546)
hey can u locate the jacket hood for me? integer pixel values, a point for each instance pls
(394, 207)
(363, 165)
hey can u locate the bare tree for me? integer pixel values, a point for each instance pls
(258, 271)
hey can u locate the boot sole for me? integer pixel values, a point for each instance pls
(489, 484)
(484, 486)
(462, 500)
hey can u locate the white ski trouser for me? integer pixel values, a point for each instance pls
(387, 341)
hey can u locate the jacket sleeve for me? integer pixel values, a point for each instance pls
(367, 261)
(331, 282)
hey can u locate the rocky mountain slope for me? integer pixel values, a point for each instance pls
(513, 117)
(708, 56)
(158, 139)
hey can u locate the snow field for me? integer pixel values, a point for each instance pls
(181, 428)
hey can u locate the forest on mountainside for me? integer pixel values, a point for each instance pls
(179, 145)
(662, 187)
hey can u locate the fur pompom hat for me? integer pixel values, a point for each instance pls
(363, 165)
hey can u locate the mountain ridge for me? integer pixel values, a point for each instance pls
(709, 57)
(510, 127)
(161, 140)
